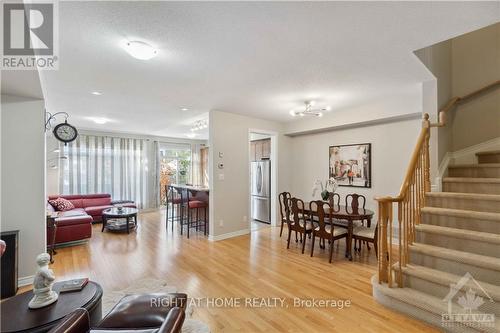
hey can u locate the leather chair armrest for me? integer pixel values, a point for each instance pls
(142, 311)
(173, 322)
(76, 322)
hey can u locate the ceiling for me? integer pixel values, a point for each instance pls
(254, 58)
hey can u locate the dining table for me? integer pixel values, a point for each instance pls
(344, 217)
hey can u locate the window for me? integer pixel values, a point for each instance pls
(175, 166)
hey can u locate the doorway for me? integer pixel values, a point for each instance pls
(262, 176)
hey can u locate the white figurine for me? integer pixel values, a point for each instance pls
(42, 284)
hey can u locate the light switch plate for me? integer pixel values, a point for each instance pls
(221, 154)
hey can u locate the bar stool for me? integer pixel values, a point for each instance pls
(195, 205)
(178, 200)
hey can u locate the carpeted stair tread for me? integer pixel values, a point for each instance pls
(460, 233)
(462, 213)
(490, 152)
(446, 279)
(423, 301)
(470, 196)
(459, 256)
(471, 180)
(479, 166)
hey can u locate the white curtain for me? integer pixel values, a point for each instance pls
(196, 176)
(102, 164)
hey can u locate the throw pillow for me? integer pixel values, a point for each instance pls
(61, 204)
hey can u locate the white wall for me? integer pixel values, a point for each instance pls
(229, 198)
(23, 176)
(392, 145)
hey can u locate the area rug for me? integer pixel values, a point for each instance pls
(149, 285)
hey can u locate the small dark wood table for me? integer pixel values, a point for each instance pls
(51, 236)
(16, 316)
(347, 216)
(126, 213)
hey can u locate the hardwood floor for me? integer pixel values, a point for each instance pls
(255, 265)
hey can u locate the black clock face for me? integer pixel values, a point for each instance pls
(65, 132)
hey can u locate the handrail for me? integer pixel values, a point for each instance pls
(410, 200)
(457, 100)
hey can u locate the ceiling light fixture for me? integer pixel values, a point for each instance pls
(309, 111)
(199, 125)
(97, 93)
(140, 50)
(184, 109)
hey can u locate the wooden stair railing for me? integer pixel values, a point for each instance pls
(410, 200)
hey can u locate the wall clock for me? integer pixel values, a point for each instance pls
(65, 132)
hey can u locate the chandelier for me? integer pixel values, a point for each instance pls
(309, 111)
(199, 125)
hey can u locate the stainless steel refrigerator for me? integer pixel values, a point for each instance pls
(261, 190)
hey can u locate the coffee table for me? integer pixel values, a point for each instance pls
(16, 316)
(126, 213)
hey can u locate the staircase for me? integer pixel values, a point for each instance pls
(458, 234)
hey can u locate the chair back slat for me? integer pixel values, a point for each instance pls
(284, 205)
(298, 218)
(324, 218)
(353, 205)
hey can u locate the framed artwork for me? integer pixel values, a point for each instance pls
(351, 165)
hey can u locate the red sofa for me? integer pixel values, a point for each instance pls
(76, 224)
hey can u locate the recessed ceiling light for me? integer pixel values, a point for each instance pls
(97, 93)
(99, 120)
(140, 50)
(184, 109)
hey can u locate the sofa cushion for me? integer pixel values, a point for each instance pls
(95, 202)
(96, 210)
(73, 212)
(61, 204)
(72, 220)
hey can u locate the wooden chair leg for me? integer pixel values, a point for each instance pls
(312, 245)
(331, 252)
(304, 243)
(281, 230)
(289, 236)
(376, 247)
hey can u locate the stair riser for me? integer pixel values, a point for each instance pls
(456, 267)
(494, 158)
(462, 223)
(474, 172)
(441, 291)
(459, 244)
(483, 188)
(466, 204)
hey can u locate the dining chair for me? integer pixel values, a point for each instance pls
(176, 200)
(365, 234)
(298, 222)
(353, 202)
(284, 208)
(194, 204)
(325, 229)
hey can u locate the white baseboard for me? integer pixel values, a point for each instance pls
(25, 281)
(229, 235)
